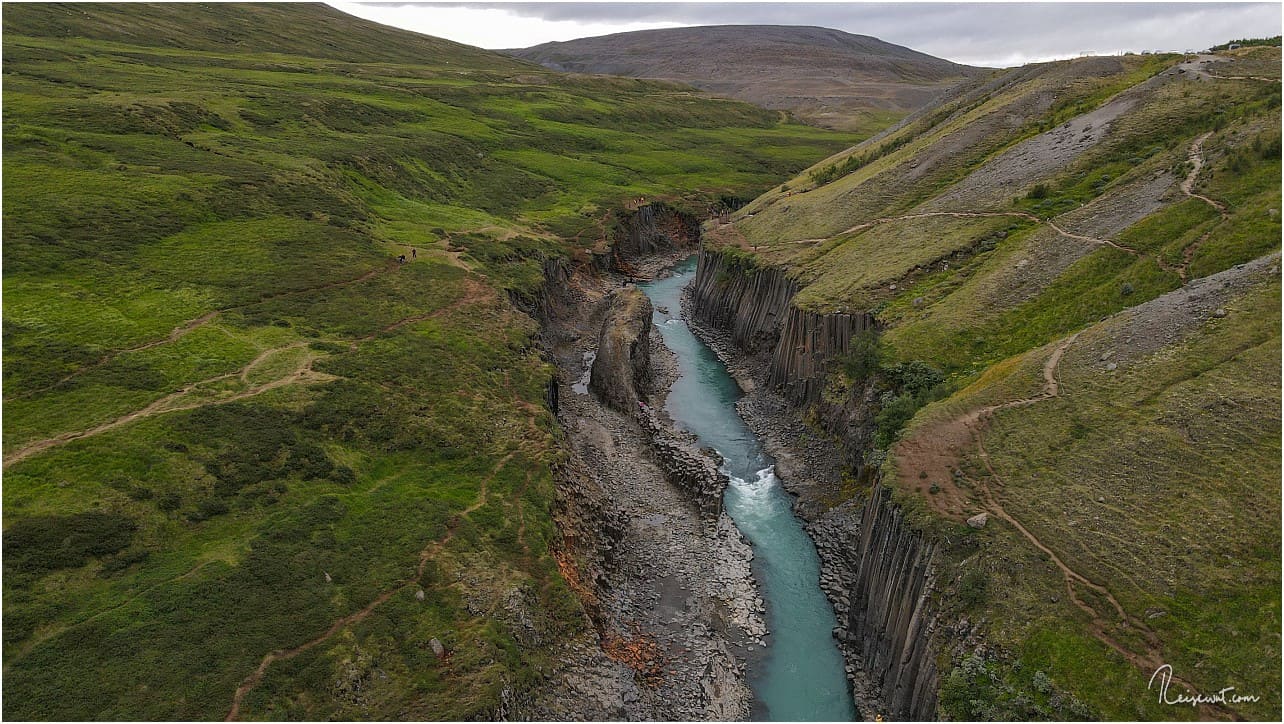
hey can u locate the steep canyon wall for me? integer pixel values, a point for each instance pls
(878, 569)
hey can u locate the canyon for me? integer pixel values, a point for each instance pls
(876, 571)
(364, 375)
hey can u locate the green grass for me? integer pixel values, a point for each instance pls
(1179, 441)
(338, 411)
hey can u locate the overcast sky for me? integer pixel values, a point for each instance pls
(989, 34)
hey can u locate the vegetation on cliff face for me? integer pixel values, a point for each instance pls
(252, 462)
(1083, 250)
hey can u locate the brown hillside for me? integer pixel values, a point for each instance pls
(826, 77)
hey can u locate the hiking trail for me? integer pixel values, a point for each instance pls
(425, 555)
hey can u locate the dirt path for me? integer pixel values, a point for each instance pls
(924, 215)
(1196, 158)
(174, 335)
(1243, 77)
(1194, 155)
(968, 429)
(192, 325)
(976, 215)
(474, 293)
(1100, 625)
(425, 555)
(302, 374)
(1180, 271)
(933, 454)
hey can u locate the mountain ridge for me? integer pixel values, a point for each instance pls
(823, 75)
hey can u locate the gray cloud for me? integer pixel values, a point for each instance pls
(977, 33)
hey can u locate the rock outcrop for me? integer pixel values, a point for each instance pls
(695, 474)
(621, 374)
(621, 379)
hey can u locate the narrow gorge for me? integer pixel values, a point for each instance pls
(665, 487)
(877, 570)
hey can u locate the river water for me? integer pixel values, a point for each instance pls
(801, 676)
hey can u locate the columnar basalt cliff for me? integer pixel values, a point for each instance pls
(653, 228)
(752, 304)
(637, 233)
(886, 577)
(878, 569)
(808, 341)
(747, 302)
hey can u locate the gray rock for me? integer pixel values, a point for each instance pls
(437, 649)
(1111, 366)
(419, 595)
(979, 520)
(1220, 312)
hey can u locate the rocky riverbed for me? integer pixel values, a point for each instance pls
(678, 612)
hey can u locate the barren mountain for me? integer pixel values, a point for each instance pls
(827, 77)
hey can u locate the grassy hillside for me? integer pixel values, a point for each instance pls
(1070, 342)
(252, 463)
(824, 76)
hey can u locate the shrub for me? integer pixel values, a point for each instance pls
(973, 587)
(120, 563)
(45, 543)
(915, 377)
(169, 502)
(913, 385)
(863, 357)
(208, 508)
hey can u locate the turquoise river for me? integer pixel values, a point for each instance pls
(800, 677)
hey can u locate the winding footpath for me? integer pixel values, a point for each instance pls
(1195, 156)
(192, 325)
(301, 374)
(1100, 624)
(474, 293)
(425, 555)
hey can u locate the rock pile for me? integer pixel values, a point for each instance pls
(695, 474)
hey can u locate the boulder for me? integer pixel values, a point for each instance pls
(979, 520)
